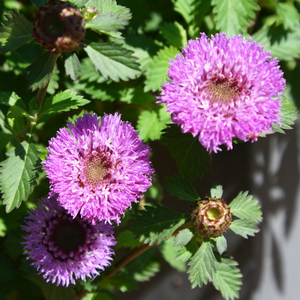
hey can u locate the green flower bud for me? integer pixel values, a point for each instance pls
(211, 217)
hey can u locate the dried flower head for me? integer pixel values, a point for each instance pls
(223, 88)
(59, 27)
(98, 170)
(64, 248)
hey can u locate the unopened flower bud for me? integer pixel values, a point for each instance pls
(59, 27)
(211, 217)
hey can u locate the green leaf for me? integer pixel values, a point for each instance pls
(72, 65)
(156, 224)
(53, 84)
(113, 61)
(244, 207)
(15, 31)
(183, 237)
(283, 45)
(108, 24)
(234, 16)
(175, 34)
(288, 114)
(119, 281)
(40, 71)
(191, 158)
(63, 101)
(127, 239)
(79, 3)
(18, 174)
(18, 107)
(110, 6)
(181, 188)
(150, 125)
(221, 244)
(102, 295)
(169, 253)
(5, 138)
(244, 228)
(288, 14)
(227, 278)
(202, 265)
(193, 12)
(187, 251)
(158, 68)
(216, 192)
(39, 3)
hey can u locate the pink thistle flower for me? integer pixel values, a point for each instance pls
(98, 171)
(223, 88)
(64, 248)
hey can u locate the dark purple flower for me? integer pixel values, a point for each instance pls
(223, 88)
(98, 170)
(64, 248)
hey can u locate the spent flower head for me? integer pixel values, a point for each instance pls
(64, 248)
(223, 88)
(98, 170)
(59, 27)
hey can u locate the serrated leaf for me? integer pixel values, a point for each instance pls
(183, 237)
(17, 106)
(216, 192)
(39, 3)
(283, 45)
(127, 239)
(63, 101)
(234, 16)
(156, 224)
(221, 244)
(227, 278)
(150, 126)
(191, 158)
(288, 14)
(18, 174)
(110, 6)
(245, 207)
(244, 228)
(108, 24)
(202, 265)
(72, 65)
(175, 34)
(169, 252)
(181, 188)
(288, 114)
(158, 68)
(187, 251)
(15, 31)
(40, 71)
(113, 61)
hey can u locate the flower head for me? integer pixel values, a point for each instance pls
(223, 88)
(98, 171)
(211, 217)
(59, 27)
(63, 247)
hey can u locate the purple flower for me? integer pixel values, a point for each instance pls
(98, 170)
(222, 89)
(63, 247)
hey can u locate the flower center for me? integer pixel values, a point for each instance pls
(66, 237)
(96, 169)
(223, 90)
(213, 214)
(53, 25)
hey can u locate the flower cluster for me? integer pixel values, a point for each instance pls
(223, 88)
(63, 247)
(98, 171)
